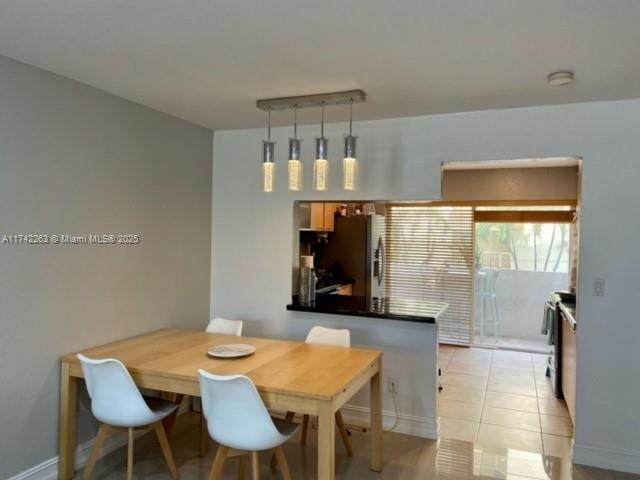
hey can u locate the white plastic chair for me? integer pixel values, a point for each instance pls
(225, 327)
(239, 421)
(329, 336)
(120, 407)
(337, 338)
(221, 326)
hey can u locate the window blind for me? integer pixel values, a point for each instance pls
(430, 257)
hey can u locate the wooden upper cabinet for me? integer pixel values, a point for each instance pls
(317, 216)
(329, 216)
(321, 217)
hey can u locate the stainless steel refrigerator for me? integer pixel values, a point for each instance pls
(357, 245)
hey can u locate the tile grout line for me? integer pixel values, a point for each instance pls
(535, 382)
(484, 399)
(502, 407)
(532, 370)
(486, 388)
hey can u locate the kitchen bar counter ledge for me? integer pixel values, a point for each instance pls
(420, 311)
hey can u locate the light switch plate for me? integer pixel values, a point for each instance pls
(598, 287)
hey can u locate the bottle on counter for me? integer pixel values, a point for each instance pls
(308, 280)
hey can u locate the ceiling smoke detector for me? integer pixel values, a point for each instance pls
(558, 79)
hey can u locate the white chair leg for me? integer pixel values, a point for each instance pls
(166, 450)
(242, 461)
(343, 433)
(282, 462)
(255, 466)
(218, 462)
(95, 451)
(130, 455)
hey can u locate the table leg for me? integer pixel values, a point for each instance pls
(326, 441)
(376, 422)
(68, 410)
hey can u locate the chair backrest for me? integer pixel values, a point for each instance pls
(329, 336)
(225, 327)
(115, 398)
(236, 416)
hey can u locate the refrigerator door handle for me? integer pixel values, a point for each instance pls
(380, 260)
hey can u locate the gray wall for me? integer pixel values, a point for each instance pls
(520, 298)
(77, 160)
(400, 159)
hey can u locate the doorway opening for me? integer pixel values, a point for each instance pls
(518, 376)
(525, 244)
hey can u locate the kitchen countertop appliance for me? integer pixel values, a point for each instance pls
(307, 280)
(552, 325)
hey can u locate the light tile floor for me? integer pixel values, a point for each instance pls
(502, 399)
(484, 434)
(492, 455)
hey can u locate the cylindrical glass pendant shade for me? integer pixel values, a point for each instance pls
(350, 167)
(321, 166)
(268, 166)
(295, 175)
(321, 175)
(268, 172)
(350, 164)
(295, 165)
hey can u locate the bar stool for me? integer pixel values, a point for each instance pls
(487, 292)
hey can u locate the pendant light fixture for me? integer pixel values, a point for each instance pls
(350, 162)
(268, 157)
(321, 163)
(295, 165)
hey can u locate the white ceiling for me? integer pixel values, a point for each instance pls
(208, 61)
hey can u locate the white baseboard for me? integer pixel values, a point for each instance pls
(620, 459)
(407, 424)
(48, 470)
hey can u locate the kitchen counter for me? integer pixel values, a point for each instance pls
(566, 302)
(419, 311)
(569, 312)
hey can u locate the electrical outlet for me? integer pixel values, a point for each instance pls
(392, 384)
(598, 287)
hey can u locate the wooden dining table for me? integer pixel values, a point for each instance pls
(290, 376)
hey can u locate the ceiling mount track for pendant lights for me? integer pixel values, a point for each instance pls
(310, 101)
